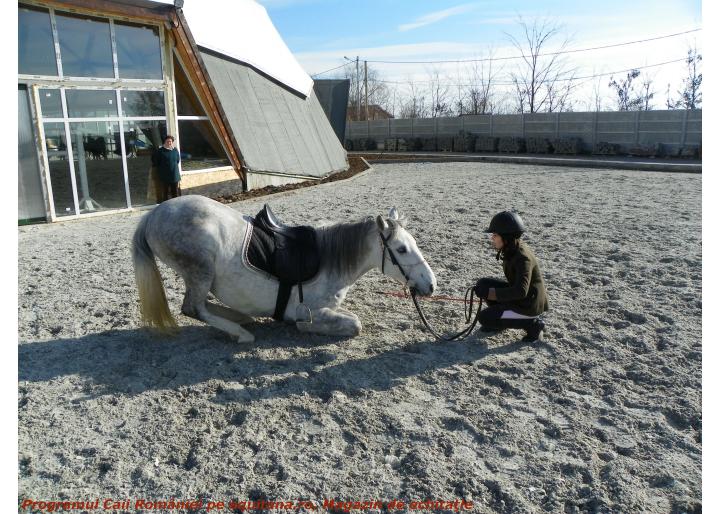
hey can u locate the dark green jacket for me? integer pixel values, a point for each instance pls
(166, 161)
(527, 294)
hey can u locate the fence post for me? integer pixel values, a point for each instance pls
(594, 129)
(557, 125)
(412, 127)
(684, 129)
(436, 127)
(637, 127)
(522, 123)
(492, 128)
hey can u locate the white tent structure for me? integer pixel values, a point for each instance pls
(242, 30)
(265, 95)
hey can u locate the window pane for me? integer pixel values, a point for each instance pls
(187, 102)
(50, 103)
(60, 181)
(98, 165)
(85, 48)
(138, 51)
(141, 139)
(90, 103)
(36, 50)
(143, 103)
(199, 148)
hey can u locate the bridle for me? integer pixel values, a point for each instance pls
(469, 296)
(384, 242)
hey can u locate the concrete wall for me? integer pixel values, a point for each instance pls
(674, 128)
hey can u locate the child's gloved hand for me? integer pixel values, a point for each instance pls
(481, 288)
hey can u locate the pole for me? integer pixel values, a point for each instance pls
(367, 112)
(367, 109)
(357, 85)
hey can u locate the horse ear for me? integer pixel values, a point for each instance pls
(394, 214)
(381, 223)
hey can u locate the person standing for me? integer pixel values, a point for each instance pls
(167, 159)
(518, 301)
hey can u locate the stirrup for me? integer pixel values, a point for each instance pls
(303, 315)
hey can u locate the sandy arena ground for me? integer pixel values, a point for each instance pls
(605, 416)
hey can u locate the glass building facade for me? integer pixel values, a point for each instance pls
(99, 94)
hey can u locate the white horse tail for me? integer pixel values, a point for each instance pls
(154, 309)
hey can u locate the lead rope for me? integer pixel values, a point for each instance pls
(468, 307)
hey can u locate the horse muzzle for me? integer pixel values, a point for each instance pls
(424, 290)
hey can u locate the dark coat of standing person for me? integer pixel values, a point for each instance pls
(167, 160)
(518, 301)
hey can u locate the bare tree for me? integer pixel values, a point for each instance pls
(646, 94)
(538, 77)
(460, 102)
(521, 93)
(504, 102)
(479, 91)
(597, 96)
(414, 105)
(378, 91)
(558, 93)
(439, 94)
(393, 102)
(669, 102)
(626, 97)
(691, 96)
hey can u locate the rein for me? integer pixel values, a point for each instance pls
(464, 333)
(468, 306)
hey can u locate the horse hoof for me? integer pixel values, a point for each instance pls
(356, 329)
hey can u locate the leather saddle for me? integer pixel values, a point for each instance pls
(289, 253)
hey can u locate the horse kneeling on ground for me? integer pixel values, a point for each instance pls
(207, 244)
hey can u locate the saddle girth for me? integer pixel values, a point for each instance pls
(288, 253)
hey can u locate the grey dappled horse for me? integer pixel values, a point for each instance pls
(204, 241)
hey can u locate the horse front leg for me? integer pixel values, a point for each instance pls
(228, 313)
(332, 323)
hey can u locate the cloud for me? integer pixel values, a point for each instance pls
(499, 20)
(282, 4)
(434, 17)
(319, 60)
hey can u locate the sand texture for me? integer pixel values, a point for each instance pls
(605, 416)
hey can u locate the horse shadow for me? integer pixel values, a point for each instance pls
(132, 362)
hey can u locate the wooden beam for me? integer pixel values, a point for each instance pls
(190, 55)
(105, 7)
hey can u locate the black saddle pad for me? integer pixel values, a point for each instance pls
(289, 253)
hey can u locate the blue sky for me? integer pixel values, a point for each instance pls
(312, 25)
(321, 32)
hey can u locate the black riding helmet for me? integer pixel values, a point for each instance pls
(506, 222)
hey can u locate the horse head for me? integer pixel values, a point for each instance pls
(401, 257)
